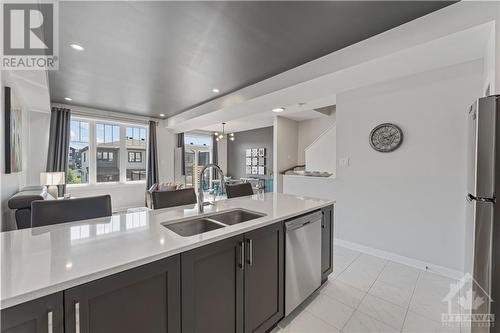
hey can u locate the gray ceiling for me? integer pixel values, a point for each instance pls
(165, 57)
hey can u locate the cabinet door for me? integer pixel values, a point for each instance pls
(212, 287)
(264, 278)
(42, 315)
(326, 242)
(143, 299)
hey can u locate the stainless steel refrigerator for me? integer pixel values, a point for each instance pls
(483, 211)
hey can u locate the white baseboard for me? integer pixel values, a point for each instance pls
(448, 272)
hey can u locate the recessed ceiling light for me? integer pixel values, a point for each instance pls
(77, 46)
(215, 90)
(278, 109)
(68, 99)
(162, 115)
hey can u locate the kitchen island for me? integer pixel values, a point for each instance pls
(90, 275)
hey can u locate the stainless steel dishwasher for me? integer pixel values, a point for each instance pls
(303, 259)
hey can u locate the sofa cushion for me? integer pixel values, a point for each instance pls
(23, 198)
(23, 218)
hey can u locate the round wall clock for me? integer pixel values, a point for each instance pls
(386, 137)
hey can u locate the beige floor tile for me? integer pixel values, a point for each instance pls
(416, 323)
(330, 311)
(343, 293)
(384, 311)
(363, 323)
(399, 295)
(307, 323)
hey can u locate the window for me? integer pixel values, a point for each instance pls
(108, 145)
(136, 136)
(78, 167)
(136, 149)
(135, 157)
(102, 161)
(198, 150)
(107, 156)
(108, 134)
(203, 158)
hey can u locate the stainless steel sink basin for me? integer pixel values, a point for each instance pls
(193, 227)
(235, 216)
(212, 222)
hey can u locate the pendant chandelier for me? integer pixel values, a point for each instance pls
(223, 135)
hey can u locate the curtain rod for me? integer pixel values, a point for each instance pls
(104, 114)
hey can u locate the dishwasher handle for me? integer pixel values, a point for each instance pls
(295, 226)
(303, 221)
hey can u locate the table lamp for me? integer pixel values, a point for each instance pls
(52, 179)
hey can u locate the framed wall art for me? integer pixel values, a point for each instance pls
(13, 134)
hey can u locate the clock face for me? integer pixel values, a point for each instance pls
(386, 138)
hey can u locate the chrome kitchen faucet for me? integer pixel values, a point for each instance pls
(200, 186)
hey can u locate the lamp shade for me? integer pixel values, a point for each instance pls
(52, 178)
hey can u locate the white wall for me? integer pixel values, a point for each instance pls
(38, 145)
(489, 64)
(222, 155)
(123, 196)
(410, 202)
(309, 131)
(11, 183)
(30, 93)
(167, 142)
(285, 141)
(497, 51)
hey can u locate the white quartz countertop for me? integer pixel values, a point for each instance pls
(40, 261)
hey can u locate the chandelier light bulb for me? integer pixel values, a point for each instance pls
(223, 135)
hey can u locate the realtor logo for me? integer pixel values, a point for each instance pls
(29, 36)
(468, 305)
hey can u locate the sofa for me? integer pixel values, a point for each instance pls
(21, 202)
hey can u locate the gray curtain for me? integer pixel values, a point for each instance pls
(152, 173)
(180, 144)
(59, 135)
(215, 157)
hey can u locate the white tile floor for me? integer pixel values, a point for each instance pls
(369, 294)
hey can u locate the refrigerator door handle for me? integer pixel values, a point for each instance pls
(470, 197)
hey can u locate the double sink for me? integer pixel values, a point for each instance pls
(212, 222)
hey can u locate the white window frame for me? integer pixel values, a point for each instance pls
(92, 151)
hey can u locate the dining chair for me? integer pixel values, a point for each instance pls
(166, 199)
(48, 212)
(239, 190)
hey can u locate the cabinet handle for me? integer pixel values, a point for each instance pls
(49, 322)
(242, 255)
(77, 317)
(250, 252)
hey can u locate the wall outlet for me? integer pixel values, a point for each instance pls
(344, 162)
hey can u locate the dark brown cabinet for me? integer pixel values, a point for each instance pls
(326, 242)
(264, 279)
(212, 287)
(42, 315)
(143, 299)
(235, 285)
